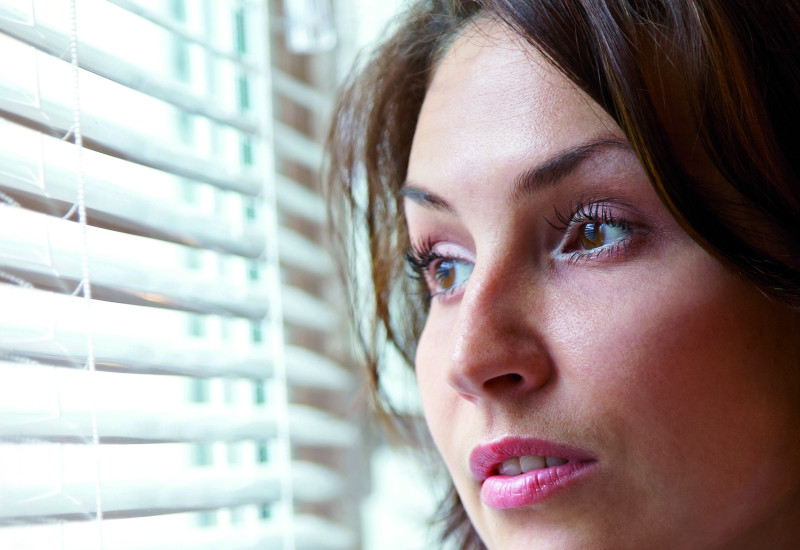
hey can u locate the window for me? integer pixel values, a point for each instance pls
(165, 340)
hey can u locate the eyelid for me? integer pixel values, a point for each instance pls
(600, 211)
(453, 251)
(597, 209)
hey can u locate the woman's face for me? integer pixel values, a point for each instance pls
(652, 394)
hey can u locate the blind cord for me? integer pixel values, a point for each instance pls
(86, 285)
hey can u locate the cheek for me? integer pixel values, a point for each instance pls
(430, 361)
(689, 364)
(439, 400)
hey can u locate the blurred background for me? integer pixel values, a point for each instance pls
(176, 367)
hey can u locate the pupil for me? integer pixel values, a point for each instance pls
(592, 235)
(446, 274)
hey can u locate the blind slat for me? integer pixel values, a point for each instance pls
(300, 253)
(132, 197)
(179, 29)
(298, 147)
(141, 148)
(150, 270)
(308, 311)
(313, 533)
(50, 326)
(308, 369)
(301, 93)
(39, 102)
(152, 492)
(52, 403)
(296, 199)
(119, 70)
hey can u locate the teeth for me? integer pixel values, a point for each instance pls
(510, 467)
(528, 463)
(554, 461)
(523, 464)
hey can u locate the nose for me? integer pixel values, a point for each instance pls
(498, 347)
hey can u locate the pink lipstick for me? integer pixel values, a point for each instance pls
(516, 472)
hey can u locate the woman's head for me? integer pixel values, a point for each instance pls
(571, 317)
(599, 197)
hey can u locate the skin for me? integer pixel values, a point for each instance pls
(676, 375)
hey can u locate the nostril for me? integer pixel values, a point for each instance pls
(486, 360)
(508, 381)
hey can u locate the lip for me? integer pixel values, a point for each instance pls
(504, 492)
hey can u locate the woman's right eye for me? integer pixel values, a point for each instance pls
(439, 266)
(447, 274)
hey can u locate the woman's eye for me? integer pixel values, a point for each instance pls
(449, 273)
(593, 235)
(597, 230)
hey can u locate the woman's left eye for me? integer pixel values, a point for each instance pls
(595, 230)
(594, 235)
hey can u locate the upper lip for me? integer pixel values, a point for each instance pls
(486, 458)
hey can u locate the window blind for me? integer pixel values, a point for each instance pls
(151, 258)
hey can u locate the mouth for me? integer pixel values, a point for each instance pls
(517, 465)
(515, 472)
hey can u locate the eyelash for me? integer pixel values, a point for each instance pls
(592, 211)
(419, 258)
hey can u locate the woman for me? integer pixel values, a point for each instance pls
(598, 204)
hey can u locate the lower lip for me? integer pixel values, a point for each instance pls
(505, 492)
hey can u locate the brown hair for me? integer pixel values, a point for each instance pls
(710, 83)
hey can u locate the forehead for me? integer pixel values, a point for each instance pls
(494, 100)
(487, 62)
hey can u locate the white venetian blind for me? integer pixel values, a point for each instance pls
(146, 384)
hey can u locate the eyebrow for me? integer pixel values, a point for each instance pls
(535, 179)
(425, 198)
